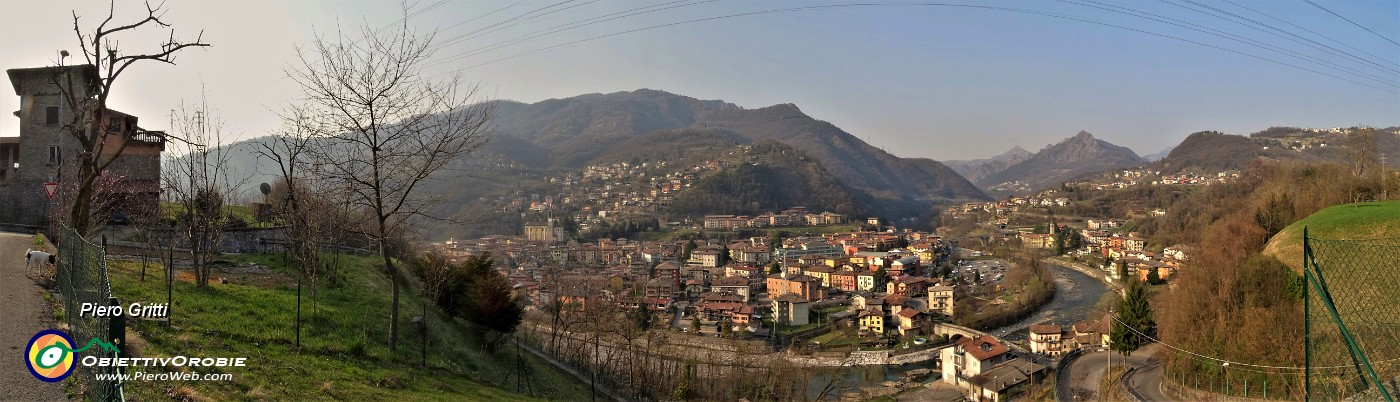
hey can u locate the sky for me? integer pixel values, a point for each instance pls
(936, 80)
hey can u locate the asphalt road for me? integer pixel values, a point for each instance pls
(24, 314)
(1082, 377)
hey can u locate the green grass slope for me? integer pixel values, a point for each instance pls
(1360, 221)
(343, 354)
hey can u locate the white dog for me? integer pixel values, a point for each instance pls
(34, 260)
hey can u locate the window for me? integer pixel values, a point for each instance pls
(55, 155)
(51, 115)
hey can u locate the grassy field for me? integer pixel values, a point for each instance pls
(839, 338)
(1368, 220)
(1361, 279)
(243, 212)
(343, 353)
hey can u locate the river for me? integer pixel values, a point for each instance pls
(1075, 296)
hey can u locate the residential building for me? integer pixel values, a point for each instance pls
(45, 152)
(791, 309)
(844, 281)
(731, 285)
(814, 247)
(865, 281)
(1046, 339)
(707, 257)
(821, 272)
(940, 300)
(803, 286)
(910, 321)
(1003, 380)
(1037, 240)
(970, 356)
(872, 322)
(907, 285)
(752, 255)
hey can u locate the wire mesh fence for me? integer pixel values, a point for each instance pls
(82, 278)
(1353, 318)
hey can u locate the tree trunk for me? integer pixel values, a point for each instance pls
(394, 303)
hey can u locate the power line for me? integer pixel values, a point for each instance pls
(1234, 363)
(994, 8)
(484, 15)
(1226, 35)
(1295, 38)
(1311, 32)
(1352, 22)
(569, 26)
(528, 15)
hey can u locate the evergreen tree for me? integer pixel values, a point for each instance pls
(642, 317)
(723, 253)
(775, 268)
(695, 324)
(1060, 242)
(1134, 319)
(881, 277)
(1153, 278)
(685, 252)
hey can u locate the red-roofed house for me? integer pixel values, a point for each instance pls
(969, 357)
(910, 321)
(1047, 339)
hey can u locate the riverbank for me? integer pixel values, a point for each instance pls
(1076, 294)
(1086, 270)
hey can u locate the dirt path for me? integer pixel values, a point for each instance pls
(24, 314)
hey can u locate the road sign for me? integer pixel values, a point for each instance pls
(51, 189)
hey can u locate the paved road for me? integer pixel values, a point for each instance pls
(24, 314)
(1147, 382)
(1082, 377)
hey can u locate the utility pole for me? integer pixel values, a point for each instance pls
(1385, 187)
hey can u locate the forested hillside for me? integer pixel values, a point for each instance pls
(1231, 301)
(782, 178)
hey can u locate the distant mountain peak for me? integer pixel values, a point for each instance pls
(1014, 152)
(1072, 157)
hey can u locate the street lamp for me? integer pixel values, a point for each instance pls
(1226, 373)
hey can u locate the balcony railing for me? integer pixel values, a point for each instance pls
(149, 137)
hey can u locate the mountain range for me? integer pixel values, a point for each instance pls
(1068, 159)
(534, 140)
(976, 169)
(580, 130)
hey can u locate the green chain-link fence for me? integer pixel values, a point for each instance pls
(82, 278)
(1353, 318)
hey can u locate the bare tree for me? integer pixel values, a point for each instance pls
(86, 95)
(296, 207)
(199, 181)
(387, 128)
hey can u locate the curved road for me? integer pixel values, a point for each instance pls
(24, 315)
(1083, 376)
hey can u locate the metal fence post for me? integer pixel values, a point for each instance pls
(117, 329)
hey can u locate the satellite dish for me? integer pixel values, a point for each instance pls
(266, 188)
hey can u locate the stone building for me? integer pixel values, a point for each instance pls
(547, 232)
(45, 152)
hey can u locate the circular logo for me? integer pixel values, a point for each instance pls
(50, 355)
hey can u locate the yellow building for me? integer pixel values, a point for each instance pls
(872, 322)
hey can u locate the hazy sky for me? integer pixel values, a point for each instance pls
(918, 80)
